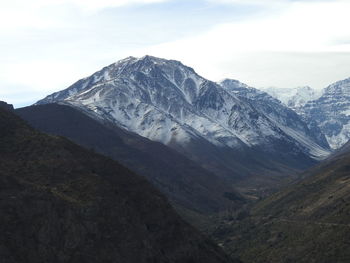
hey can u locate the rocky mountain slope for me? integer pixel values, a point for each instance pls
(331, 112)
(283, 117)
(185, 183)
(305, 222)
(165, 101)
(62, 203)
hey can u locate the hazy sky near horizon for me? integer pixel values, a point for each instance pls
(46, 45)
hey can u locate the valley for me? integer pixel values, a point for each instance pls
(262, 178)
(174, 131)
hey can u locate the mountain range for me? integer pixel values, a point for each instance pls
(325, 111)
(224, 132)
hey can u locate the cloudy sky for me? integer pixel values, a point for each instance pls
(46, 45)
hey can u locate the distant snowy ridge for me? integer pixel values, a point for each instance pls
(294, 98)
(284, 118)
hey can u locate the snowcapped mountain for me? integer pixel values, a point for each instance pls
(169, 102)
(294, 98)
(164, 101)
(331, 112)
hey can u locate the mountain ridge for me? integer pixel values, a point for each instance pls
(165, 101)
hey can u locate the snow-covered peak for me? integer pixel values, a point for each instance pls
(127, 59)
(169, 102)
(144, 64)
(233, 84)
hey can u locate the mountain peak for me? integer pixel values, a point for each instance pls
(294, 98)
(233, 83)
(146, 58)
(148, 62)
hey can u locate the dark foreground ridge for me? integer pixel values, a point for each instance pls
(61, 203)
(185, 183)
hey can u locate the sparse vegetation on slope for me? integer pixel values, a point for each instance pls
(306, 222)
(62, 203)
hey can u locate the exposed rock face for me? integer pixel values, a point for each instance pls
(331, 112)
(283, 117)
(62, 203)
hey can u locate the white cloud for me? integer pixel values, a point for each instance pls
(41, 14)
(287, 48)
(272, 2)
(86, 4)
(250, 2)
(46, 45)
(92, 5)
(303, 27)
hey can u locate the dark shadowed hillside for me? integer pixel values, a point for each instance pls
(183, 181)
(306, 222)
(62, 203)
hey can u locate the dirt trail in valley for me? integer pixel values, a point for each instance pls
(312, 222)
